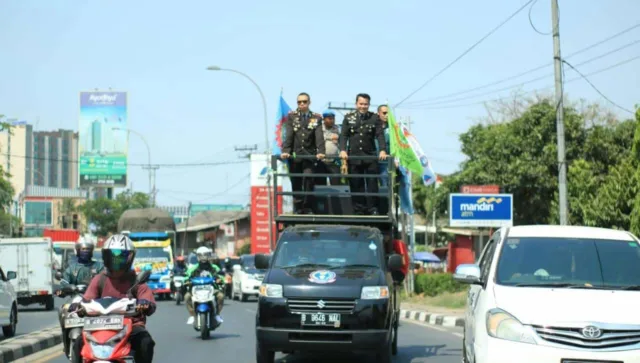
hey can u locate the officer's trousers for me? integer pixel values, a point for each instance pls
(362, 204)
(301, 202)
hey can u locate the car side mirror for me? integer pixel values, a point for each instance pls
(395, 262)
(262, 261)
(11, 275)
(237, 268)
(468, 274)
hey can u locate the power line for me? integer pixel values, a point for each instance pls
(532, 70)
(174, 165)
(531, 91)
(596, 88)
(531, 20)
(464, 53)
(526, 82)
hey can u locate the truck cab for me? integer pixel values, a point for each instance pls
(331, 284)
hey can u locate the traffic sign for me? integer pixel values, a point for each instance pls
(480, 210)
(480, 189)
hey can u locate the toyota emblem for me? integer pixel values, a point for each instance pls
(321, 304)
(591, 332)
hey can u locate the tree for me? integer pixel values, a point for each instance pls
(105, 213)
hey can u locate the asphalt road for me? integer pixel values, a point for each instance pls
(234, 341)
(34, 317)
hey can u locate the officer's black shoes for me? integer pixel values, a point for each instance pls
(304, 211)
(373, 212)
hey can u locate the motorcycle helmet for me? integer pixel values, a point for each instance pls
(84, 249)
(118, 253)
(204, 254)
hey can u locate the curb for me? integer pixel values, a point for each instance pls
(27, 344)
(433, 319)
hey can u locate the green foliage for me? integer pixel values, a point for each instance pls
(105, 213)
(436, 284)
(245, 249)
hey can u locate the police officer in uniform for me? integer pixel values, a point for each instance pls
(303, 136)
(360, 130)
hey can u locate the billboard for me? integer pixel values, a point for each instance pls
(480, 210)
(260, 205)
(103, 139)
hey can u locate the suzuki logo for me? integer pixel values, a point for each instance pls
(321, 304)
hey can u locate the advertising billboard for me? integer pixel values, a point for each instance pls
(103, 139)
(480, 210)
(260, 205)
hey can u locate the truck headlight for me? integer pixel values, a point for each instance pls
(374, 292)
(502, 325)
(270, 290)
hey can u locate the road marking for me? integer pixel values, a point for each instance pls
(434, 327)
(43, 356)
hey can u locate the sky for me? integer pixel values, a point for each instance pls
(158, 53)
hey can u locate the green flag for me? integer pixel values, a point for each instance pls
(400, 147)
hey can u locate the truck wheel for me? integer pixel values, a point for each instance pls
(263, 355)
(394, 344)
(48, 304)
(10, 330)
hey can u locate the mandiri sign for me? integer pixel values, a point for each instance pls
(480, 210)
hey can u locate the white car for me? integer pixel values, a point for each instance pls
(557, 294)
(8, 304)
(246, 278)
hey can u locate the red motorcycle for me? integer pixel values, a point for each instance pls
(107, 327)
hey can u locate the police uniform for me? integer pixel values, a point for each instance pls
(303, 136)
(358, 137)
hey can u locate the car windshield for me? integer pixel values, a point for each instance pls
(328, 253)
(152, 252)
(570, 262)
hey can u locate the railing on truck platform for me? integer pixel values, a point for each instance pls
(334, 203)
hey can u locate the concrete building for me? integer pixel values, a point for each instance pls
(16, 149)
(224, 231)
(47, 207)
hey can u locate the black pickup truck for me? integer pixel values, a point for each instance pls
(331, 286)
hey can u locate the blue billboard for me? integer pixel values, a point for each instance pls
(480, 210)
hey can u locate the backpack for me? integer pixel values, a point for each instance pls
(103, 279)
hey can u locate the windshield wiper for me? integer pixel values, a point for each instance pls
(556, 284)
(304, 265)
(355, 265)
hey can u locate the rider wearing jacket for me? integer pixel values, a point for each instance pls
(118, 254)
(204, 267)
(179, 269)
(78, 272)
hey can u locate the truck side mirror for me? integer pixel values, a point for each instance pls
(262, 261)
(11, 275)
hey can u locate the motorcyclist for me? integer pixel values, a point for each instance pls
(118, 254)
(205, 256)
(78, 272)
(179, 269)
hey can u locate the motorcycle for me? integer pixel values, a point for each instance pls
(107, 326)
(178, 282)
(72, 324)
(203, 296)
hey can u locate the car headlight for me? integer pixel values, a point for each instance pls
(374, 292)
(503, 325)
(271, 290)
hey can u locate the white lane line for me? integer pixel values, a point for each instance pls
(434, 327)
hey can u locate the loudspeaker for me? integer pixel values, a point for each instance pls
(334, 204)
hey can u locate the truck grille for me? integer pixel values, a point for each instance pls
(573, 337)
(320, 305)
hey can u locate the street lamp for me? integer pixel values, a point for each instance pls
(151, 188)
(266, 140)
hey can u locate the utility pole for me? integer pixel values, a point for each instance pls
(152, 182)
(186, 227)
(562, 165)
(247, 150)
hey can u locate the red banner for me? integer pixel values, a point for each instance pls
(260, 219)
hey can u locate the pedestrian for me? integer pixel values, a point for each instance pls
(303, 138)
(360, 130)
(331, 163)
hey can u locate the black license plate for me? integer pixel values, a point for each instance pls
(320, 319)
(103, 323)
(73, 322)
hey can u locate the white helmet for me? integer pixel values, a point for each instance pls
(118, 253)
(204, 254)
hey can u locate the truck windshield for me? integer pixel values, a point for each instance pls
(152, 252)
(569, 262)
(328, 254)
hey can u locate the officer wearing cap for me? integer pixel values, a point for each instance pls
(360, 130)
(303, 137)
(330, 164)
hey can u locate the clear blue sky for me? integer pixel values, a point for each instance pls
(158, 52)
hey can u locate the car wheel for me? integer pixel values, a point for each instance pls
(10, 330)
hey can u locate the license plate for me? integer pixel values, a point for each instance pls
(320, 319)
(73, 322)
(103, 323)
